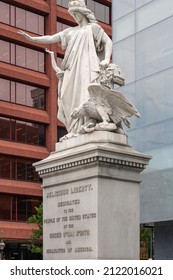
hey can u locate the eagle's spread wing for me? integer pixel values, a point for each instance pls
(121, 107)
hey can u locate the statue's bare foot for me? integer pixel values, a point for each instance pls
(87, 129)
(67, 136)
(104, 124)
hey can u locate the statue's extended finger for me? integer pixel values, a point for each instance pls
(20, 32)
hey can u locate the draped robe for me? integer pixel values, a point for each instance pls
(81, 67)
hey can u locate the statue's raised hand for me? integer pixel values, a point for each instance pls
(48, 51)
(25, 35)
(104, 63)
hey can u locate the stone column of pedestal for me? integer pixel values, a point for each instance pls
(91, 198)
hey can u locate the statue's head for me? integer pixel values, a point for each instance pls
(77, 3)
(79, 6)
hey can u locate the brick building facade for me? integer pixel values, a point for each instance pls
(29, 127)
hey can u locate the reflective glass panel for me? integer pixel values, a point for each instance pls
(63, 3)
(21, 170)
(16, 168)
(34, 23)
(21, 208)
(59, 61)
(4, 128)
(121, 8)
(23, 57)
(18, 207)
(4, 13)
(160, 9)
(4, 90)
(61, 26)
(61, 131)
(4, 167)
(22, 94)
(20, 131)
(154, 100)
(5, 206)
(5, 51)
(41, 135)
(32, 202)
(101, 12)
(124, 56)
(21, 18)
(154, 49)
(140, 3)
(124, 27)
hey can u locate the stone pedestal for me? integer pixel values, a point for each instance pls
(91, 198)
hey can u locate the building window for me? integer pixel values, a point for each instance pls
(61, 26)
(20, 131)
(62, 3)
(17, 169)
(22, 94)
(59, 61)
(21, 56)
(61, 131)
(5, 205)
(21, 19)
(17, 207)
(101, 12)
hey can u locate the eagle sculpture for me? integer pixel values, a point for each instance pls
(105, 109)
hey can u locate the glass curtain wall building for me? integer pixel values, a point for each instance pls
(143, 48)
(29, 127)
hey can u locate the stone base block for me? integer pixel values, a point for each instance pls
(91, 198)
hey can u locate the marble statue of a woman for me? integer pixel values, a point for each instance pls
(87, 47)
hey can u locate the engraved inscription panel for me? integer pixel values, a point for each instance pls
(70, 221)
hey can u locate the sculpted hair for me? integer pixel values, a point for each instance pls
(86, 12)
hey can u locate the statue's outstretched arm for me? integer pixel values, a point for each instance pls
(108, 49)
(47, 39)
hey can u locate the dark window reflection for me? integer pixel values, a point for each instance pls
(17, 169)
(21, 19)
(21, 208)
(22, 94)
(5, 165)
(61, 132)
(5, 205)
(21, 171)
(17, 207)
(21, 56)
(5, 128)
(20, 131)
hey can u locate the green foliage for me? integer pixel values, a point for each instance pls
(146, 243)
(37, 233)
(145, 235)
